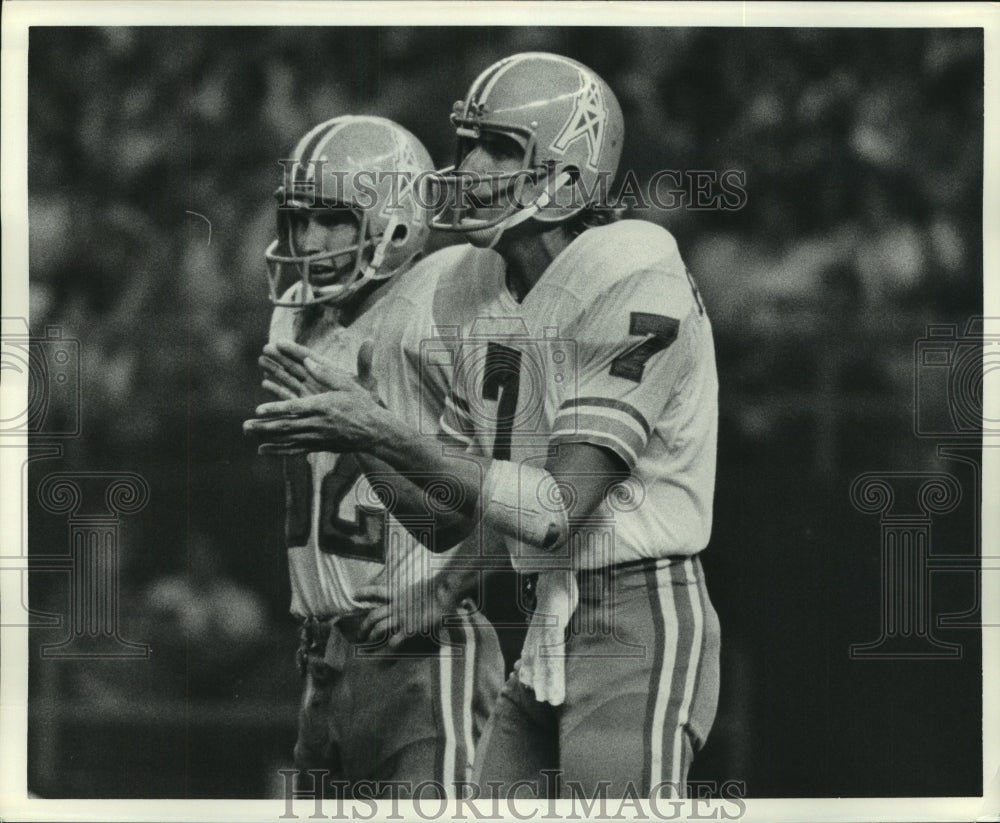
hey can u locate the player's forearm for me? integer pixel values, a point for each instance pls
(525, 503)
(408, 502)
(421, 460)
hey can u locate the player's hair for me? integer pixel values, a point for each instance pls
(591, 217)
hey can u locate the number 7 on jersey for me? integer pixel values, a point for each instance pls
(660, 331)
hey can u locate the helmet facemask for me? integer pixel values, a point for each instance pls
(483, 207)
(364, 167)
(569, 127)
(328, 276)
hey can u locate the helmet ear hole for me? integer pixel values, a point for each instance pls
(399, 235)
(562, 186)
(574, 178)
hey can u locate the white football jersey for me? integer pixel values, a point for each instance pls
(612, 347)
(339, 536)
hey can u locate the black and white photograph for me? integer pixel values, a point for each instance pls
(540, 411)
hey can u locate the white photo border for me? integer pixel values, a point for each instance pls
(19, 15)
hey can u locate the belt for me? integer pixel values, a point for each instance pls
(315, 631)
(595, 583)
(315, 640)
(314, 636)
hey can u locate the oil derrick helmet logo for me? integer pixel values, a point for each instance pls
(587, 121)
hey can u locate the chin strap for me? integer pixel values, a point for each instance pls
(522, 215)
(366, 275)
(371, 271)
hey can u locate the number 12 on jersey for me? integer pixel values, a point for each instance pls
(345, 530)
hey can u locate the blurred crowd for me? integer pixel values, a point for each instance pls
(153, 156)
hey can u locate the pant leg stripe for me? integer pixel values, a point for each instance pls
(672, 736)
(690, 613)
(665, 617)
(447, 718)
(705, 615)
(468, 688)
(656, 650)
(434, 668)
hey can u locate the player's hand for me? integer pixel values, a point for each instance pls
(346, 419)
(292, 370)
(419, 611)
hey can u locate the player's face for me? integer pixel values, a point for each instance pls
(493, 153)
(316, 231)
(495, 160)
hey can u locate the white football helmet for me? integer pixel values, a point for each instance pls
(570, 130)
(368, 166)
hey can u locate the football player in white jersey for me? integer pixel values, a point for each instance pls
(409, 714)
(582, 430)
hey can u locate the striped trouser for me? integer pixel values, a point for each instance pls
(642, 685)
(413, 716)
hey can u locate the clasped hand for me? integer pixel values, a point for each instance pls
(321, 408)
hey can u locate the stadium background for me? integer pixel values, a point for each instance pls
(863, 159)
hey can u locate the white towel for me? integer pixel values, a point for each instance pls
(543, 657)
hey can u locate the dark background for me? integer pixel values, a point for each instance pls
(862, 151)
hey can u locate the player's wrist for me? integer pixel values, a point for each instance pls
(393, 441)
(383, 429)
(525, 504)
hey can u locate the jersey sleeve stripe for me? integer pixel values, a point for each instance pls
(609, 403)
(598, 438)
(571, 418)
(607, 424)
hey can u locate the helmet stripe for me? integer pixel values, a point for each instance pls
(311, 143)
(477, 92)
(501, 70)
(308, 143)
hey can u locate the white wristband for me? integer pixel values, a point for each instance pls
(524, 503)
